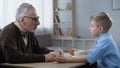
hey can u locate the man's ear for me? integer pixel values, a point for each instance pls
(21, 19)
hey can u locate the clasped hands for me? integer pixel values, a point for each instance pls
(57, 55)
(76, 56)
(52, 56)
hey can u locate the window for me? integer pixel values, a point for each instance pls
(43, 7)
(116, 4)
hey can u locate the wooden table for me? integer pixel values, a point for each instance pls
(43, 65)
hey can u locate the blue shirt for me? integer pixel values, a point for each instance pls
(106, 53)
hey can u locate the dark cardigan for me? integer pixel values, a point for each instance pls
(2, 57)
(15, 50)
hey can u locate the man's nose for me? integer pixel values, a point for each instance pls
(38, 23)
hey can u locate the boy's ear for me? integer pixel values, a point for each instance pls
(101, 29)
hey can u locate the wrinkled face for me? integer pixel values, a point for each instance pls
(94, 29)
(31, 20)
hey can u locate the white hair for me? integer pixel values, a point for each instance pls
(21, 11)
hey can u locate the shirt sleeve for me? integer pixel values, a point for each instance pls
(98, 52)
(39, 49)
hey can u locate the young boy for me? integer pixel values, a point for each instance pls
(105, 54)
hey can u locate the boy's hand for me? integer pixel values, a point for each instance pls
(71, 51)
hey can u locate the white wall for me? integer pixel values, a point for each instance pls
(86, 8)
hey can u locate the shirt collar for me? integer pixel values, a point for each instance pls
(19, 27)
(103, 36)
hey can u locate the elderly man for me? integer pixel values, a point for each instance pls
(19, 42)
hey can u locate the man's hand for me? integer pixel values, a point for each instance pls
(50, 57)
(59, 52)
(61, 59)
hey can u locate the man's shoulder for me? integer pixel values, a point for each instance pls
(9, 29)
(9, 26)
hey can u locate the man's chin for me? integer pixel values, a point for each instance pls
(32, 31)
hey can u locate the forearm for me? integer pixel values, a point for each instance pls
(18, 57)
(86, 52)
(13, 55)
(80, 59)
(42, 50)
(39, 49)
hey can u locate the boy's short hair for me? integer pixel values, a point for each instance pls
(102, 19)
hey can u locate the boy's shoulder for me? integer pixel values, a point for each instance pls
(105, 37)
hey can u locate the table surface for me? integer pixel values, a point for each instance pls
(44, 64)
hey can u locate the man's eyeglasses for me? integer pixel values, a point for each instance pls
(35, 19)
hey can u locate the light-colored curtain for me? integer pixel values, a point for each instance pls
(43, 7)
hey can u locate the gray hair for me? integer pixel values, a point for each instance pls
(21, 11)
